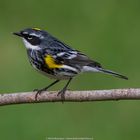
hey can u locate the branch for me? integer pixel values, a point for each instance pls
(70, 96)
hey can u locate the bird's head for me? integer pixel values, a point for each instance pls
(32, 37)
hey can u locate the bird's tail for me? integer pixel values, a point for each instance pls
(100, 69)
(112, 73)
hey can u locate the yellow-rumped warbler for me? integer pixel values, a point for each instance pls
(56, 59)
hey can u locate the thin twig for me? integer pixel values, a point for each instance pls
(70, 96)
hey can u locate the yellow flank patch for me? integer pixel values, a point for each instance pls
(36, 29)
(49, 60)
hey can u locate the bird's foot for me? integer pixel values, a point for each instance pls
(39, 91)
(62, 93)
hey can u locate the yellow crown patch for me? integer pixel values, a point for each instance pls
(36, 29)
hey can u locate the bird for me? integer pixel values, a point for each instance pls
(57, 60)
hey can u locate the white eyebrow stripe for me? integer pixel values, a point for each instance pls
(33, 34)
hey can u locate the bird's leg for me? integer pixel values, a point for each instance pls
(62, 92)
(44, 89)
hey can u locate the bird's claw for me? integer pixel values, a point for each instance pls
(38, 92)
(62, 93)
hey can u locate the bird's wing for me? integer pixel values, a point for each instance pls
(76, 59)
(63, 54)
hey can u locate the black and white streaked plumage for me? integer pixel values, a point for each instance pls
(56, 59)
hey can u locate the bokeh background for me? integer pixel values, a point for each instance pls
(108, 31)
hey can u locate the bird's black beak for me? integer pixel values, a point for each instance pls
(18, 34)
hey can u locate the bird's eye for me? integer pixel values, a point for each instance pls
(29, 37)
(34, 40)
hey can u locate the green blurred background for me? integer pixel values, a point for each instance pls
(108, 31)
